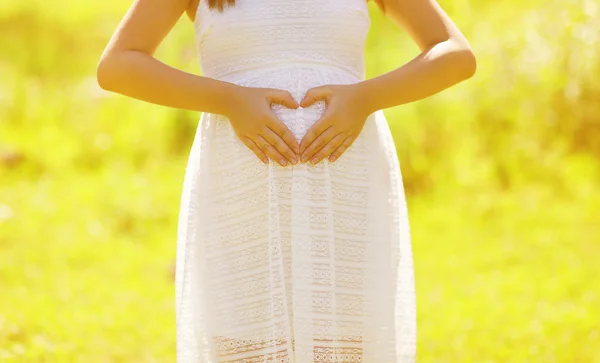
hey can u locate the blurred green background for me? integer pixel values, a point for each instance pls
(501, 172)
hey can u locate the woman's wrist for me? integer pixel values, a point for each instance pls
(366, 97)
(224, 97)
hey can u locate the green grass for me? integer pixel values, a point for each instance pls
(501, 172)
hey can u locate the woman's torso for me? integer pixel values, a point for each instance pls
(262, 35)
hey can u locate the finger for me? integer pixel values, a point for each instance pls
(255, 149)
(270, 150)
(319, 143)
(280, 145)
(329, 148)
(316, 129)
(341, 149)
(283, 98)
(286, 134)
(315, 94)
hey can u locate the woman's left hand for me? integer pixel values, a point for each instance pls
(339, 126)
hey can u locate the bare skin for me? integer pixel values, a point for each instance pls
(128, 67)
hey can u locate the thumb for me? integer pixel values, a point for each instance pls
(283, 98)
(315, 94)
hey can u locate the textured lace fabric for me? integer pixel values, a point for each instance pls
(303, 263)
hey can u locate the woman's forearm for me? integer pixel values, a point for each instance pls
(139, 75)
(434, 70)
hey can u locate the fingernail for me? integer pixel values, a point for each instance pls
(294, 161)
(282, 162)
(265, 160)
(332, 158)
(304, 158)
(314, 161)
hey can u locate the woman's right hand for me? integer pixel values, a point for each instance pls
(257, 126)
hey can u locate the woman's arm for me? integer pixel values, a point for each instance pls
(446, 58)
(128, 67)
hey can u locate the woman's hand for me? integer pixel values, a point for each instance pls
(257, 126)
(339, 126)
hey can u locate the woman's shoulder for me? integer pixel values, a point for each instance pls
(192, 9)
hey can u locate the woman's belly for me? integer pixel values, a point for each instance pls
(297, 81)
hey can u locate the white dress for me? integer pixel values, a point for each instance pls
(302, 263)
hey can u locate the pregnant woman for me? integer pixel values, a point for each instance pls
(293, 240)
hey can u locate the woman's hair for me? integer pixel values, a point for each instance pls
(220, 4)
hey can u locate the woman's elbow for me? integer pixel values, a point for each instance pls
(101, 74)
(105, 73)
(468, 63)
